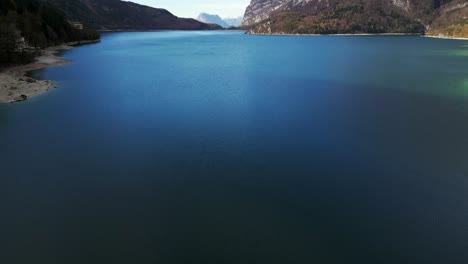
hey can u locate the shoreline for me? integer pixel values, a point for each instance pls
(16, 86)
(358, 34)
(445, 37)
(317, 35)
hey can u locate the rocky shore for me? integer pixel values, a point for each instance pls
(15, 86)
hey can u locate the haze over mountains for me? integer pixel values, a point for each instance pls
(448, 17)
(212, 19)
(216, 19)
(234, 21)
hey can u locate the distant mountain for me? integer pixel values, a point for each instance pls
(234, 21)
(121, 15)
(355, 16)
(212, 19)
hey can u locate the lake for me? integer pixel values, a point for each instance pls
(220, 147)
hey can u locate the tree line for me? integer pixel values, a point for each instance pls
(40, 24)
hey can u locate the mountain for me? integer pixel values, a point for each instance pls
(451, 20)
(121, 15)
(260, 10)
(233, 21)
(351, 16)
(26, 26)
(212, 19)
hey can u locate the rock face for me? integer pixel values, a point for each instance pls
(352, 16)
(259, 10)
(212, 19)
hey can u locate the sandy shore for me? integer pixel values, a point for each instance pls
(15, 86)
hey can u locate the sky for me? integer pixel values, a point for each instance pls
(191, 8)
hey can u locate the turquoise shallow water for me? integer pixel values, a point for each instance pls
(218, 147)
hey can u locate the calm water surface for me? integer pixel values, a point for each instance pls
(217, 147)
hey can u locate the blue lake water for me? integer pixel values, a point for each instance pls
(219, 147)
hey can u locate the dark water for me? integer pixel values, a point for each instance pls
(190, 147)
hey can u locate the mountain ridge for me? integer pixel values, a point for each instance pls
(353, 16)
(124, 15)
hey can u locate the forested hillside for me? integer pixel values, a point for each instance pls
(452, 20)
(27, 26)
(435, 17)
(124, 15)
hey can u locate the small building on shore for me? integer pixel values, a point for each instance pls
(77, 25)
(22, 46)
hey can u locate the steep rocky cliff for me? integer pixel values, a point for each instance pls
(351, 16)
(259, 10)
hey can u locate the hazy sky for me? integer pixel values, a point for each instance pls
(191, 8)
